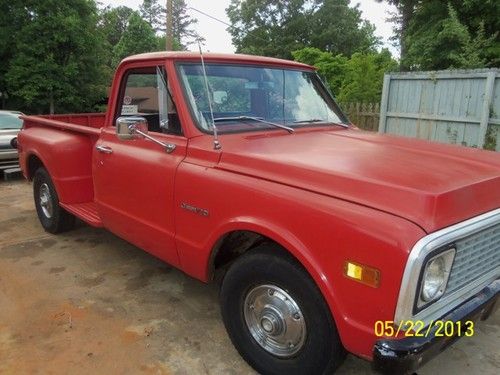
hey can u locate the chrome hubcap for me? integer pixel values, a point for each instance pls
(46, 201)
(275, 320)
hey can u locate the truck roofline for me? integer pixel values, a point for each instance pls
(217, 57)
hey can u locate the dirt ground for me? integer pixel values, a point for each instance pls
(86, 302)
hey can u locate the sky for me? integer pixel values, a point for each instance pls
(219, 40)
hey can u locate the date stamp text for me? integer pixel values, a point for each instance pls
(417, 328)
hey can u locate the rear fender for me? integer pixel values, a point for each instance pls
(67, 156)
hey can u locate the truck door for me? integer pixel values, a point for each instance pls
(134, 179)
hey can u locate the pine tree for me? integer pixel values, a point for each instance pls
(436, 34)
(156, 15)
(182, 24)
(446, 42)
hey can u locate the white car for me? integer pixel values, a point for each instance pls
(10, 125)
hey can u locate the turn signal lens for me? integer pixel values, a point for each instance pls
(366, 275)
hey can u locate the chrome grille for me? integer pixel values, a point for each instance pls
(475, 256)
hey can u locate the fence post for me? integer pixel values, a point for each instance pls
(485, 114)
(371, 112)
(384, 103)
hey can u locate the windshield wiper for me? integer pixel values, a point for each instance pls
(320, 120)
(310, 120)
(252, 118)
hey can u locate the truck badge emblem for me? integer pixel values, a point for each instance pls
(196, 210)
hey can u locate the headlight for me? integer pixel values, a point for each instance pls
(433, 280)
(435, 277)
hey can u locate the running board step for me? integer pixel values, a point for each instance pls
(85, 211)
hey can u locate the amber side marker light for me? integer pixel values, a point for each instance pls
(364, 274)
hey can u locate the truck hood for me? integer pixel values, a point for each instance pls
(433, 185)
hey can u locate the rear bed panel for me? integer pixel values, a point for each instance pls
(93, 120)
(67, 155)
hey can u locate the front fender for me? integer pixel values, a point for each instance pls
(321, 232)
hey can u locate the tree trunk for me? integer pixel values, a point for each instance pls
(407, 10)
(51, 103)
(170, 26)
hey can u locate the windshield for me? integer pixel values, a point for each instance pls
(242, 94)
(10, 121)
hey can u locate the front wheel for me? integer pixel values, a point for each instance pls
(276, 317)
(54, 218)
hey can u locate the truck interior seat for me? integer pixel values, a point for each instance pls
(174, 125)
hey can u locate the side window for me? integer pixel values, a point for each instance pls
(141, 95)
(145, 93)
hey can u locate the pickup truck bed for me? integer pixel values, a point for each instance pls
(81, 131)
(66, 121)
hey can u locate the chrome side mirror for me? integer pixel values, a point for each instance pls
(137, 128)
(131, 128)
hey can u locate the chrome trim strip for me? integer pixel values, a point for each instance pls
(409, 287)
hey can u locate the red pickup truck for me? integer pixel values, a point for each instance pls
(329, 239)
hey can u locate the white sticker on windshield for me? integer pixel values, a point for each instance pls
(129, 109)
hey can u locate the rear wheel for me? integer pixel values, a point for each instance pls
(277, 318)
(52, 216)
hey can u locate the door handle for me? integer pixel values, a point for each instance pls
(104, 149)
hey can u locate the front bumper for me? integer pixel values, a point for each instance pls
(399, 356)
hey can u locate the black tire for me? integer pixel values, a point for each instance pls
(52, 216)
(321, 352)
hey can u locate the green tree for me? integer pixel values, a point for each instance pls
(271, 28)
(154, 13)
(268, 28)
(355, 79)
(438, 38)
(483, 16)
(436, 34)
(58, 59)
(183, 23)
(139, 37)
(13, 18)
(364, 77)
(114, 22)
(402, 19)
(161, 42)
(331, 68)
(338, 28)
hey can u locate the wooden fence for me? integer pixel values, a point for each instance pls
(366, 116)
(451, 106)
